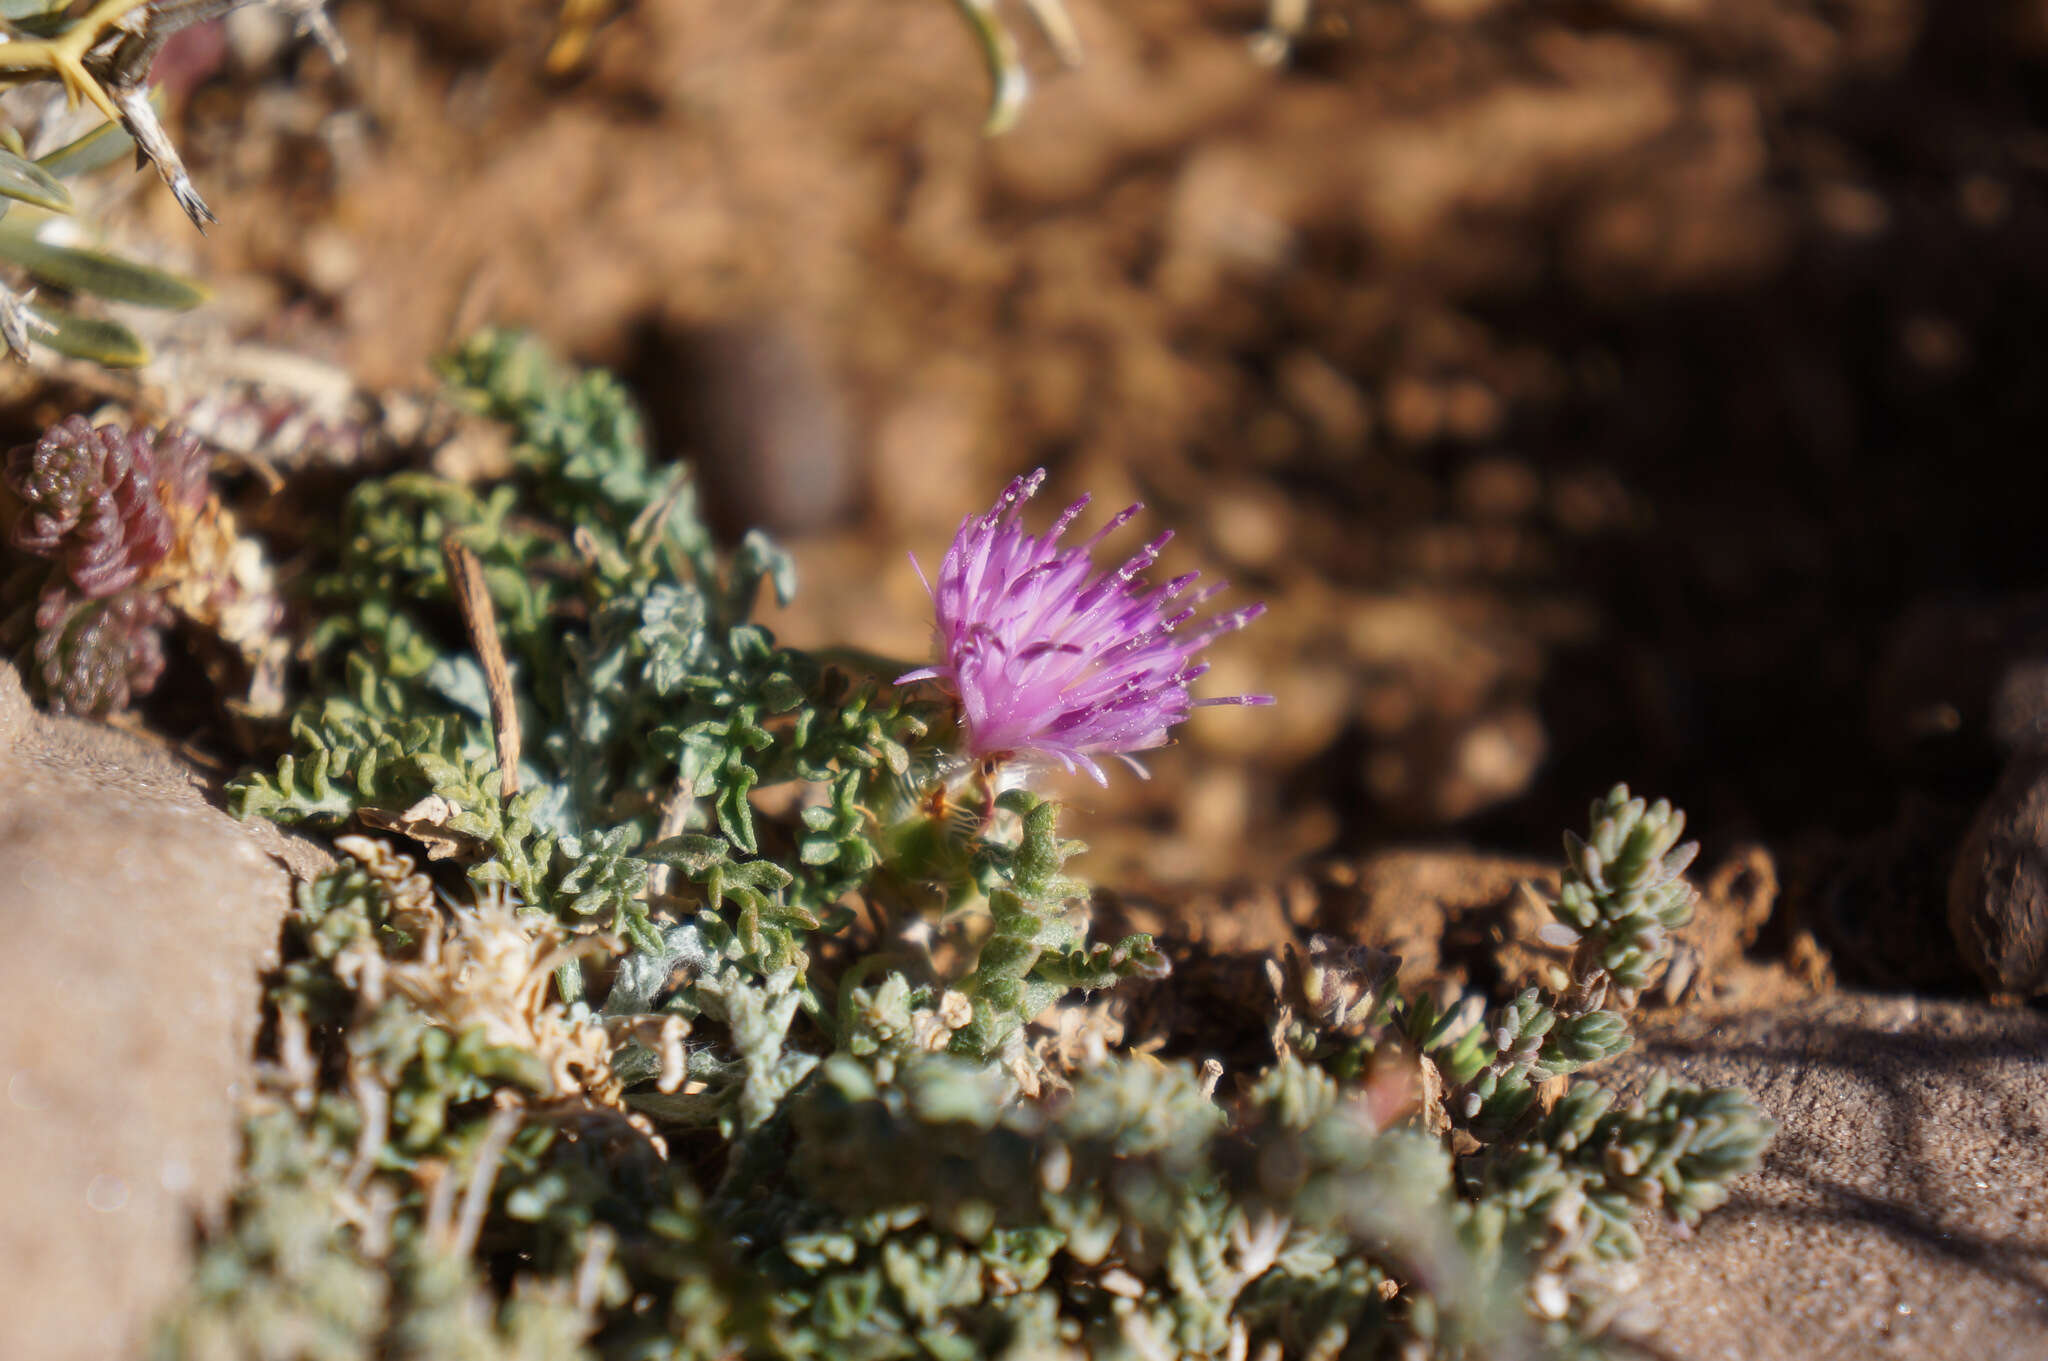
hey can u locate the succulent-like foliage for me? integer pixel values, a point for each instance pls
(650, 704)
(735, 1043)
(94, 656)
(123, 537)
(1623, 897)
(106, 508)
(105, 503)
(888, 1199)
(1558, 1188)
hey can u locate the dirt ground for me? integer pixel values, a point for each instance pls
(1639, 390)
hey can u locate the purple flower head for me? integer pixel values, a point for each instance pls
(1055, 659)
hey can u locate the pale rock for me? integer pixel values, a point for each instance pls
(138, 920)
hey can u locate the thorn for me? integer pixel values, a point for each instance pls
(138, 116)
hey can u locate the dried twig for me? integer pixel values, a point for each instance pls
(473, 594)
(476, 1196)
(675, 819)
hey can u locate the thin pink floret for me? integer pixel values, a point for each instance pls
(1054, 659)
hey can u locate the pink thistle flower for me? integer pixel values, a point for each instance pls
(1053, 659)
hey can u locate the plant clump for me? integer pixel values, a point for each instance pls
(103, 507)
(716, 1029)
(124, 537)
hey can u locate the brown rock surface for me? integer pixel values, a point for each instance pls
(1900, 1211)
(1998, 892)
(137, 919)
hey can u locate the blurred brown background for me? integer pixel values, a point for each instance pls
(1591, 388)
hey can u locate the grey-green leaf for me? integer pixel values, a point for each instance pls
(101, 147)
(692, 852)
(23, 179)
(17, 10)
(102, 341)
(106, 276)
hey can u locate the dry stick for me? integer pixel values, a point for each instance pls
(473, 594)
(375, 1104)
(675, 819)
(476, 1197)
(646, 529)
(597, 1255)
(441, 1204)
(466, 571)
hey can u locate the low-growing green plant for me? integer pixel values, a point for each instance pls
(731, 1043)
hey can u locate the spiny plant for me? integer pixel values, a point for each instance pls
(102, 57)
(734, 1041)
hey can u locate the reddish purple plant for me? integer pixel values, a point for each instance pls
(104, 503)
(105, 507)
(1053, 659)
(95, 655)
